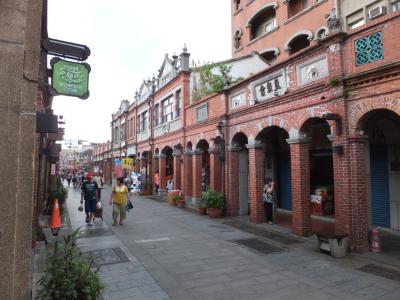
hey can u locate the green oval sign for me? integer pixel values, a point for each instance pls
(70, 78)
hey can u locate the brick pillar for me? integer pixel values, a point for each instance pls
(137, 165)
(156, 163)
(358, 189)
(215, 169)
(196, 171)
(256, 174)
(188, 175)
(177, 169)
(300, 168)
(232, 195)
(162, 163)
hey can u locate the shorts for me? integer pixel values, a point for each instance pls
(119, 209)
(90, 205)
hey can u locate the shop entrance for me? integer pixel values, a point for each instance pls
(321, 168)
(240, 140)
(169, 162)
(277, 164)
(205, 164)
(382, 128)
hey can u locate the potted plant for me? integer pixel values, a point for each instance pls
(69, 274)
(214, 203)
(180, 202)
(172, 196)
(201, 208)
(54, 191)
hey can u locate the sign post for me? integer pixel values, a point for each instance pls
(69, 78)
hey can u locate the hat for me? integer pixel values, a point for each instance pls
(89, 176)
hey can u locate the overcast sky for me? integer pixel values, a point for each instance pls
(128, 40)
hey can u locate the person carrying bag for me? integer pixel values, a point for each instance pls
(119, 198)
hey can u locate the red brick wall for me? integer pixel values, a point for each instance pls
(232, 183)
(311, 20)
(196, 175)
(188, 175)
(256, 173)
(389, 26)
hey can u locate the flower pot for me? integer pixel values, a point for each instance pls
(214, 212)
(180, 203)
(202, 210)
(171, 195)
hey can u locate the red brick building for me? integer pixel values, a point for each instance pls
(321, 118)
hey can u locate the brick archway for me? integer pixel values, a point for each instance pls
(361, 109)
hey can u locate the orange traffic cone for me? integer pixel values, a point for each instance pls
(55, 221)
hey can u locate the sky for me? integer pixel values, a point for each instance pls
(128, 40)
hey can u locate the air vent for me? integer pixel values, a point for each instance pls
(376, 12)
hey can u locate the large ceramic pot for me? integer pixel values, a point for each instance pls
(171, 195)
(202, 210)
(180, 203)
(214, 212)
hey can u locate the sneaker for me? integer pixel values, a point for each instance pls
(270, 223)
(120, 223)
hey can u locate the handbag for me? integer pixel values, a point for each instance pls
(129, 205)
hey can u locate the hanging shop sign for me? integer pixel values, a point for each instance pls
(127, 163)
(69, 78)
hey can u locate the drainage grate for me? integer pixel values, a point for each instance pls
(258, 246)
(94, 233)
(381, 271)
(263, 233)
(107, 256)
(158, 199)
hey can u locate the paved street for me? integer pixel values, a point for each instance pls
(164, 252)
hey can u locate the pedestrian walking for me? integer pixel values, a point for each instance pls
(157, 181)
(69, 177)
(268, 199)
(170, 185)
(119, 197)
(99, 181)
(89, 194)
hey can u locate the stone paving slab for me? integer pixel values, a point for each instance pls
(181, 255)
(123, 275)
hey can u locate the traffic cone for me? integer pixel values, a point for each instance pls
(55, 220)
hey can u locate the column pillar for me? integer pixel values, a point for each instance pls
(215, 169)
(357, 202)
(188, 175)
(300, 168)
(232, 195)
(196, 171)
(156, 163)
(162, 171)
(256, 174)
(177, 169)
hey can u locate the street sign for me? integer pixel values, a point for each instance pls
(69, 78)
(65, 49)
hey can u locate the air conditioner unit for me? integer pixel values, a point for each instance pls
(376, 12)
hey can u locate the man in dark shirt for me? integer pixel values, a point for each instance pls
(89, 194)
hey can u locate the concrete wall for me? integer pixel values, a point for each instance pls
(20, 32)
(348, 8)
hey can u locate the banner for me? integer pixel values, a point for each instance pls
(127, 163)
